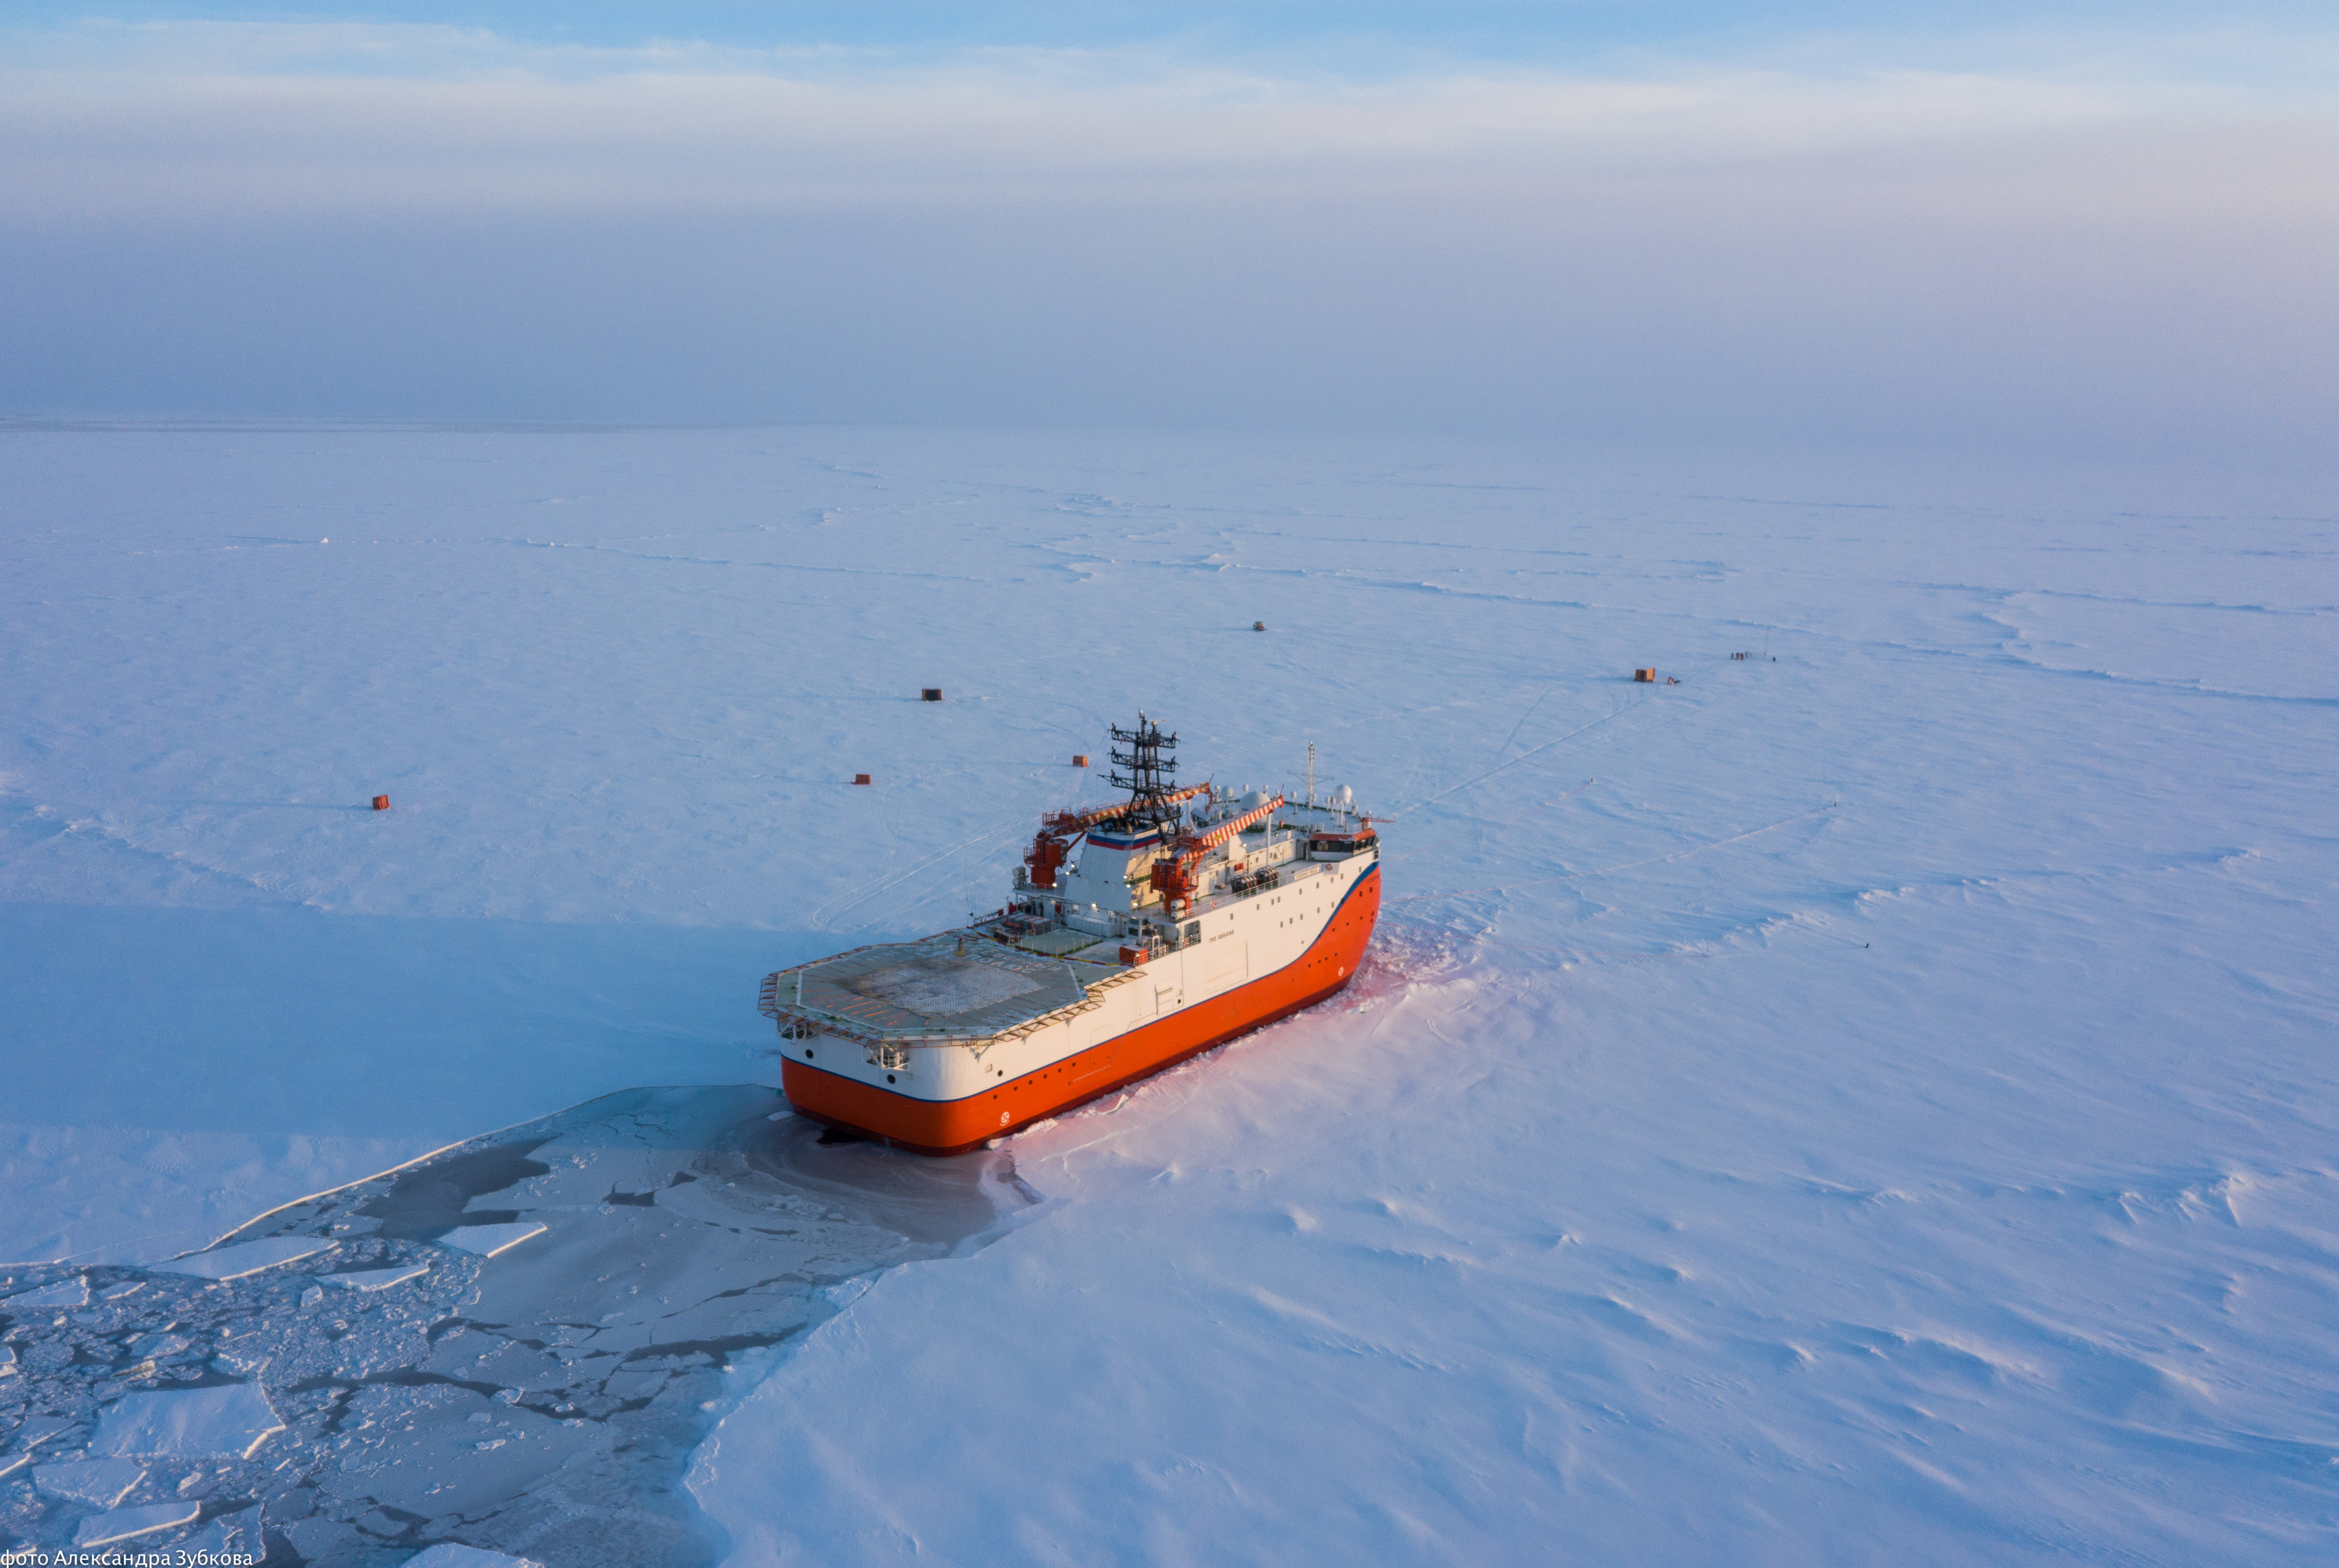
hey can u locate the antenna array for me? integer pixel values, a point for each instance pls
(1145, 766)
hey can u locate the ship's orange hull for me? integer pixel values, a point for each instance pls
(955, 1126)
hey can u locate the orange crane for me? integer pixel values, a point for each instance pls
(1173, 878)
(1059, 828)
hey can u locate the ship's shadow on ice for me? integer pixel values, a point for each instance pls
(514, 1344)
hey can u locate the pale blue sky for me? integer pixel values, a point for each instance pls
(1546, 31)
(2088, 224)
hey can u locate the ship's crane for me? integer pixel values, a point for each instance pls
(1058, 829)
(1173, 875)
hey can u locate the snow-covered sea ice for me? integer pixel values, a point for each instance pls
(1868, 1101)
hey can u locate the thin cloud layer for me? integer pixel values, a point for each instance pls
(344, 115)
(2045, 244)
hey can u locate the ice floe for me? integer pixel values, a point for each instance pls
(369, 1279)
(239, 1534)
(451, 1554)
(101, 1482)
(489, 1240)
(74, 1292)
(27, 1437)
(230, 1421)
(246, 1258)
(126, 1523)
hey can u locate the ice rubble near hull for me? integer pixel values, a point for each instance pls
(458, 1387)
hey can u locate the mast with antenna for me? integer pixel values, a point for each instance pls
(1144, 765)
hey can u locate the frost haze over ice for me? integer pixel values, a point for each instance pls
(1871, 1100)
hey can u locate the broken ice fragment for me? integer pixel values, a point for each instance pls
(105, 1529)
(239, 1532)
(8, 1360)
(373, 1278)
(102, 1483)
(232, 1420)
(35, 1431)
(241, 1360)
(487, 1241)
(452, 1554)
(245, 1258)
(74, 1292)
